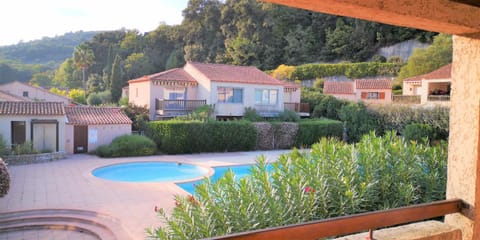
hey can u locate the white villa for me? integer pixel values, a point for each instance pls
(230, 89)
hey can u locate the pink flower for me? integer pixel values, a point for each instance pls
(308, 189)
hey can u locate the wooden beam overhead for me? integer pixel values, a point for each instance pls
(448, 16)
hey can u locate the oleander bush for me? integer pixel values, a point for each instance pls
(4, 179)
(128, 145)
(333, 179)
(176, 136)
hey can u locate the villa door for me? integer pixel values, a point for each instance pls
(18, 132)
(80, 139)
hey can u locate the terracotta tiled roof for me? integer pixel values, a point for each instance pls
(6, 96)
(235, 74)
(32, 108)
(96, 116)
(338, 87)
(175, 74)
(373, 84)
(444, 72)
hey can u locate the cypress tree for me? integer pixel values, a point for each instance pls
(116, 79)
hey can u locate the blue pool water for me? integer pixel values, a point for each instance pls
(150, 172)
(239, 171)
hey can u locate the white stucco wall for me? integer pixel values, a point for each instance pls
(409, 89)
(5, 130)
(98, 135)
(387, 99)
(34, 93)
(292, 96)
(204, 84)
(351, 97)
(140, 94)
(424, 90)
(237, 109)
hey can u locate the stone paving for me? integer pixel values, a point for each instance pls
(69, 184)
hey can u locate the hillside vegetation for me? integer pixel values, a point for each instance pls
(48, 50)
(241, 32)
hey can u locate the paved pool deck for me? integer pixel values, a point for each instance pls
(68, 183)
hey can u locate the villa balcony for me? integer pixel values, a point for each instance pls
(301, 108)
(406, 99)
(368, 222)
(438, 98)
(172, 108)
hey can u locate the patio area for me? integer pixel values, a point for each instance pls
(69, 184)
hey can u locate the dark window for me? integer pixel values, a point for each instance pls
(18, 132)
(25, 93)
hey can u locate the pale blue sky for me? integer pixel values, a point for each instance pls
(32, 19)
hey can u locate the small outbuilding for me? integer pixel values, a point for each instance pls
(40, 123)
(90, 127)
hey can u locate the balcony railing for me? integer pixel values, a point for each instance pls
(354, 223)
(297, 107)
(438, 98)
(177, 107)
(406, 99)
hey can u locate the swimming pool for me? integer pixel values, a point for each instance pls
(150, 172)
(240, 171)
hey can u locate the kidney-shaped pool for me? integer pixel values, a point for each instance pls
(150, 172)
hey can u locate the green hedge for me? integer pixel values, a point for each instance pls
(311, 131)
(351, 70)
(359, 120)
(177, 136)
(127, 145)
(419, 132)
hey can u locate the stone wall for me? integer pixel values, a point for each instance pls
(33, 158)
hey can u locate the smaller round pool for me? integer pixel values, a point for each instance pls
(150, 172)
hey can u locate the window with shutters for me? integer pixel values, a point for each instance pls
(373, 95)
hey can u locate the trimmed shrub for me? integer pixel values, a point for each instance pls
(312, 96)
(419, 132)
(128, 145)
(333, 179)
(25, 148)
(394, 117)
(311, 131)
(176, 136)
(94, 99)
(359, 120)
(4, 179)
(329, 107)
(250, 114)
(289, 116)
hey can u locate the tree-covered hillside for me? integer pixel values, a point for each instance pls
(240, 32)
(48, 50)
